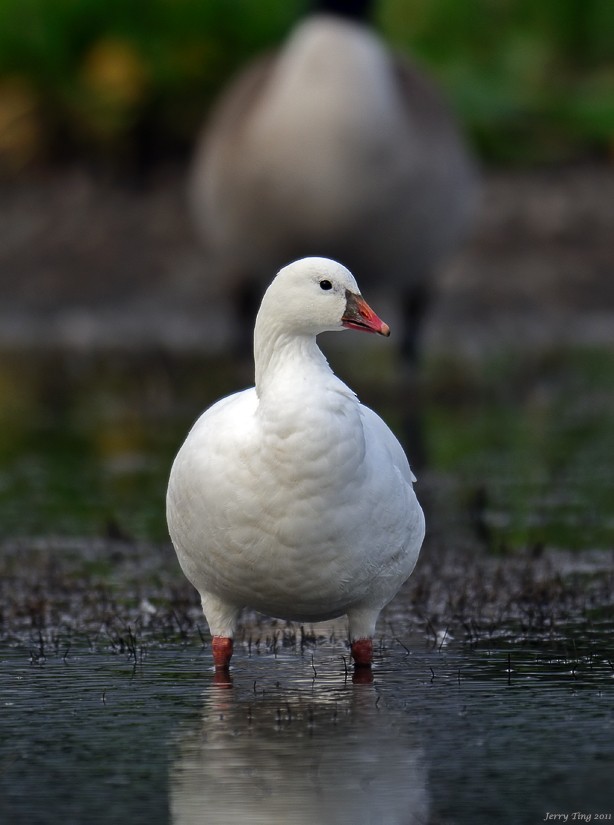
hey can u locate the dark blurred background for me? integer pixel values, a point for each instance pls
(127, 83)
(101, 102)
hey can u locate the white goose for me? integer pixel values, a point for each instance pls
(291, 497)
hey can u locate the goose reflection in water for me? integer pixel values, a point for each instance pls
(298, 757)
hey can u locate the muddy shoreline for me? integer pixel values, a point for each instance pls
(125, 597)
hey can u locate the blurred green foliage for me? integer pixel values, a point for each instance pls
(519, 446)
(523, 438)
(533, 81)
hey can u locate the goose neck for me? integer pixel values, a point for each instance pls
(283, 357)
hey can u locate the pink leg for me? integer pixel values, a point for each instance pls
(222, 652)
(362, 652)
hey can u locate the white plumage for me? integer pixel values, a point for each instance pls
(291, 497)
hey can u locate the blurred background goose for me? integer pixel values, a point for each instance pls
(333, 146)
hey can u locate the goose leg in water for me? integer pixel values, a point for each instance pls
(362, 652)
(222, 652)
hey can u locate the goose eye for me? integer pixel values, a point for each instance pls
(325, 285)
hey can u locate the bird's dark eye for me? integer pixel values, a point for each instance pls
(325, 285)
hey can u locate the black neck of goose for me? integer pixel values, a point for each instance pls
(353, 9)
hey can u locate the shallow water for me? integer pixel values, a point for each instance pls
(442, 735)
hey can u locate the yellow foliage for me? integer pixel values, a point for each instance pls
(20, 128)
(114, 72)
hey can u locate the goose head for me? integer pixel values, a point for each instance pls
(315, 295)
